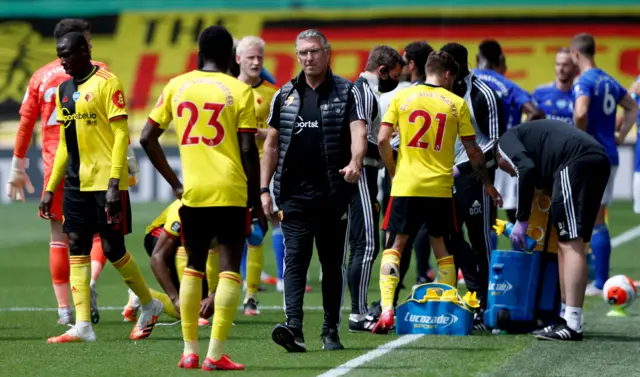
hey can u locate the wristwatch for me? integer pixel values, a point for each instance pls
(265, 190)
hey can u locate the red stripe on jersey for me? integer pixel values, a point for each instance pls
(155, 232)
(387, 125)
(104, 74)
(124, 195)
(387, 215)
(169, 234)
(118, 117)
(455, 217)
(473, 137)
(247, 130)
(153, 122)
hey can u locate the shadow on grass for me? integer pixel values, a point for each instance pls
(600, 336)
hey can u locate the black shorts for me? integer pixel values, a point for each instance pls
(84, 211)
(202, 225)
(576, 197)
(407, 214)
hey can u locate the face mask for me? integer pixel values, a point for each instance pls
(387, 85)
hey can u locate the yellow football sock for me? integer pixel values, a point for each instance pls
(447, 271)
(213, 269)
(79, 278)
(133, 277)
(255, 262)
(190, 297)
(226, 302)
(166, 301)
(181, 261)
(389, 277)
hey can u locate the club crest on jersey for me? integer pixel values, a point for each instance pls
(88, 96)
(118, 99)
(76, 96)
(561, 103)
(176, 226)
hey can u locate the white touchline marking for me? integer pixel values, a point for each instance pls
(117, 308)
(345, 368)
(625, 237)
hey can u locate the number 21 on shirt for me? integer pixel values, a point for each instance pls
(423, 116)
(194, 115)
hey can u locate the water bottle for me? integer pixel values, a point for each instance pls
(256, 236)
(508, 227)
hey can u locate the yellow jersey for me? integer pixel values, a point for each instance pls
(429, 120)
(94, 133)
(262, 94)
(169, 219)
(209, 109)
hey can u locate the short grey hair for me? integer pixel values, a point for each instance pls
(313, 33)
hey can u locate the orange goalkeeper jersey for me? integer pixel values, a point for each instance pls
(40, 102)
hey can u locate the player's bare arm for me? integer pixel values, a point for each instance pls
(262, 133)
(149, 139)
(630, 111)
(532, 111)
(580, 110)
(352, 171)
(270, 152)
(163, 254)
(384, 147)
(251, 165)
(477, 162)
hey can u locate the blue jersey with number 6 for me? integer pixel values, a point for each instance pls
(605, 94)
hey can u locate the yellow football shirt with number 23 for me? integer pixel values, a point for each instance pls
(208, 109)
(429, 120)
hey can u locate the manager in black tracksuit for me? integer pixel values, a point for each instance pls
(474, 209)
(315, 144)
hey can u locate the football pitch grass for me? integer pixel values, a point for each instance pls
(28, 318)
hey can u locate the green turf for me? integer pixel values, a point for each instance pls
(610, 348)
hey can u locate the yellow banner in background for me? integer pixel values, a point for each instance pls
(147, 49)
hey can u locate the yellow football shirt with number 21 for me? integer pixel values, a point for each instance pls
(429, 120)
(208, 109)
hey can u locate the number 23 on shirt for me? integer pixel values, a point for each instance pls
(208, 110)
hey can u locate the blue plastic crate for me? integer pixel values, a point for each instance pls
(513, 286)
(417, 316)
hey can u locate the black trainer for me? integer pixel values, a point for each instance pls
(251, 307)
(290, 338)
(331, 341)
(362, 325)
(549, 329)
(478, 321)
(559, 332)
(375, 310)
